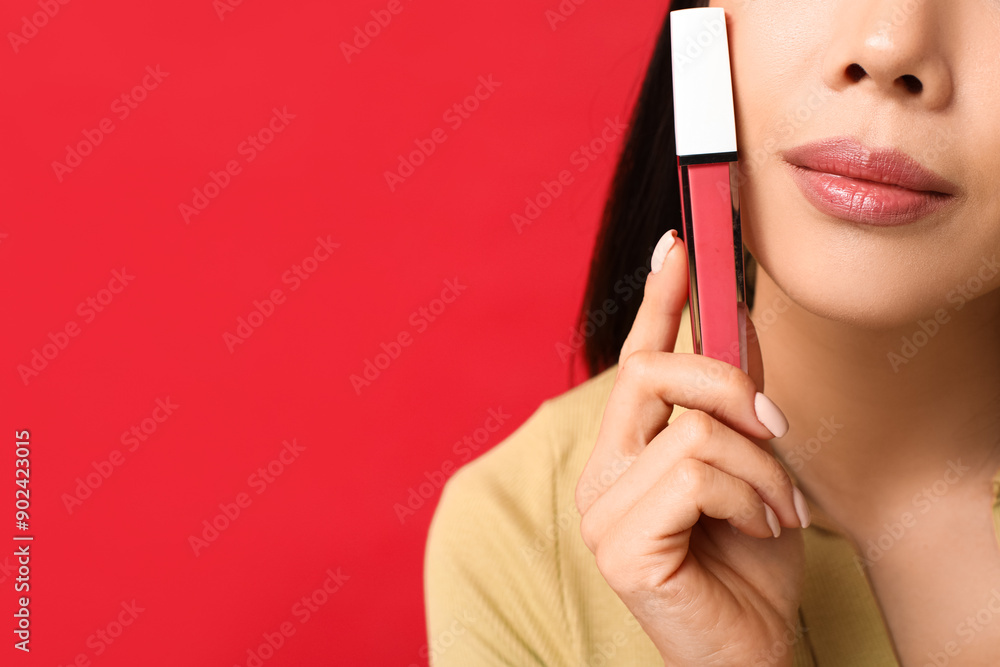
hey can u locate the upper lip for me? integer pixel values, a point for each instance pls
(844, 156)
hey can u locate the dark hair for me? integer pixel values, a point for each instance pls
(643, 204)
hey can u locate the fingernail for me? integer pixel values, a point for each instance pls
(772, 520)
(801, 507)
(770, 416)
(663, 246)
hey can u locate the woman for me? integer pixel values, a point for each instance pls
(631, 521)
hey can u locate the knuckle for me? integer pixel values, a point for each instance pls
(589, 531)
(695, 426)
(778, 482)
(607, 557)
(675, 592)
(720, 376)
(636, 365)
(601, 559)
(728, 383)
(772, 478)
(690, 476)
(739, 382)
(751, 504)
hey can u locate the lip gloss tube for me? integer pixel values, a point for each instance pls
(705, 131)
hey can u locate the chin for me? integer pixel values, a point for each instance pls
(879, 280)
(857, 293)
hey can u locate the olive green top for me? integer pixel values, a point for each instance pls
(509, 581)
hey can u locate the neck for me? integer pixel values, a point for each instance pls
(875, 419)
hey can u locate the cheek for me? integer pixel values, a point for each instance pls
(777, 93)
(773, 229)
(776, 53)
(980, 141)
(833, 270)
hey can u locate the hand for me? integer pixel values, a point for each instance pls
(679, 516)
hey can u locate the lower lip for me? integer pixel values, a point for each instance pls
(866, 202)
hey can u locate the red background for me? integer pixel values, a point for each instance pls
(162, 336)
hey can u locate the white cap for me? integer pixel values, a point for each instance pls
(704, 119)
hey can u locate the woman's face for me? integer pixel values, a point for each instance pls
(918, 76)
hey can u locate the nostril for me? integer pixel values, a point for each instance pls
(856, 72)
(912, 83)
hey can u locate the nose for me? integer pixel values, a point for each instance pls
(895, 48)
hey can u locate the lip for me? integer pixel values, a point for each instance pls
(885, 187)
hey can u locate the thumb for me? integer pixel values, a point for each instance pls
(664, 295)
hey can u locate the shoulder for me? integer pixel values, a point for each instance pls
(504, 560)
(521, 468)
(532, 473)
(516, 483)
(489, 569)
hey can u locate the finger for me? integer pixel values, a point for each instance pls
(695, 435)
(663, 299)
(641, 402)
(651, 383)
(660, 523)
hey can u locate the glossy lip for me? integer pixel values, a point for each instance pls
(885, 187)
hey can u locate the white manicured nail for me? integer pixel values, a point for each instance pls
(770, 415)
(801, 507)
(772, 520)
(663, 246)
